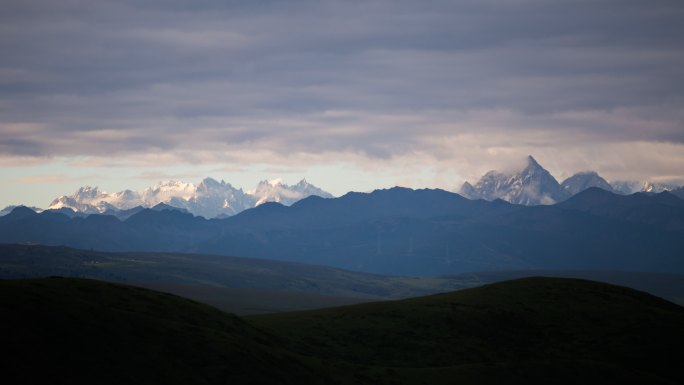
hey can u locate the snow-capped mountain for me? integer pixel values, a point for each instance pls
(277, 191)
(531, 186)
(210, 198)
(626, 187)
(631, 187)
(584, 180)
(88, 200)
(534, 185)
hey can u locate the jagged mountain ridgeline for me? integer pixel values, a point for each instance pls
(534, 185)
(210, 198)
(396, 231)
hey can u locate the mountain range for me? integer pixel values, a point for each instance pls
(396, 231)
(210, 198)
(534, 185)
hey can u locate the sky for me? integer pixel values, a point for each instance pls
(351, 95)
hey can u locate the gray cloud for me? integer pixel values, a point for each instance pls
(375, 80)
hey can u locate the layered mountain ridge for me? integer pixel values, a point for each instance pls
(397, 231)
(210, 198)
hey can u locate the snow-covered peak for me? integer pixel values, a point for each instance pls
(172, 185)
(87, 192)
(276, 182)
(533, 185)
(654, 187)
(167, 190)
(631, 187)
(584, 180)
(278, 191)
(210, 198)
(209, 185)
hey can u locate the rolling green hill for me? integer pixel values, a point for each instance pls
(537, 330)
(81, 331)
(256, 286)
(547, 323)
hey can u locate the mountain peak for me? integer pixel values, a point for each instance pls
(585, 180)
(210, 198)
(211, 181)
(531, 162)
(277, 182)
(20, 212)
(533, 185)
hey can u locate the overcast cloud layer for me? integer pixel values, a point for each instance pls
(457, 86)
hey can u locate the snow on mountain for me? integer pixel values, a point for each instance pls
(652, 187)
(584, 180)
(210, 198)
(213, 198)
(631, 187)
(534, 185)
(626, 187)
(167, 191)
(277, 191)
(89, 200)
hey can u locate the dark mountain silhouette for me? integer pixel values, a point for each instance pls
(528, 331)
(662, 210)
(18, 213)
(398, 231)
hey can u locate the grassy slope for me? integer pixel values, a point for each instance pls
(569, 326)
(264, 286)
(242, 301)
(81, 331)
(32, 261)
(526, 331)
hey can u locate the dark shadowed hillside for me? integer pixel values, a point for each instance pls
(530, 331)
(533, 326)
(86, 332)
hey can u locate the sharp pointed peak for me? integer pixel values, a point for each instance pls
(531, 162)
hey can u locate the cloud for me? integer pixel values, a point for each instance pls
(456, 86)
(51, 179)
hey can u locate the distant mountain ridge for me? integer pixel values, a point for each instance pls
(534, 185)
(397, 231)
(210, 198)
